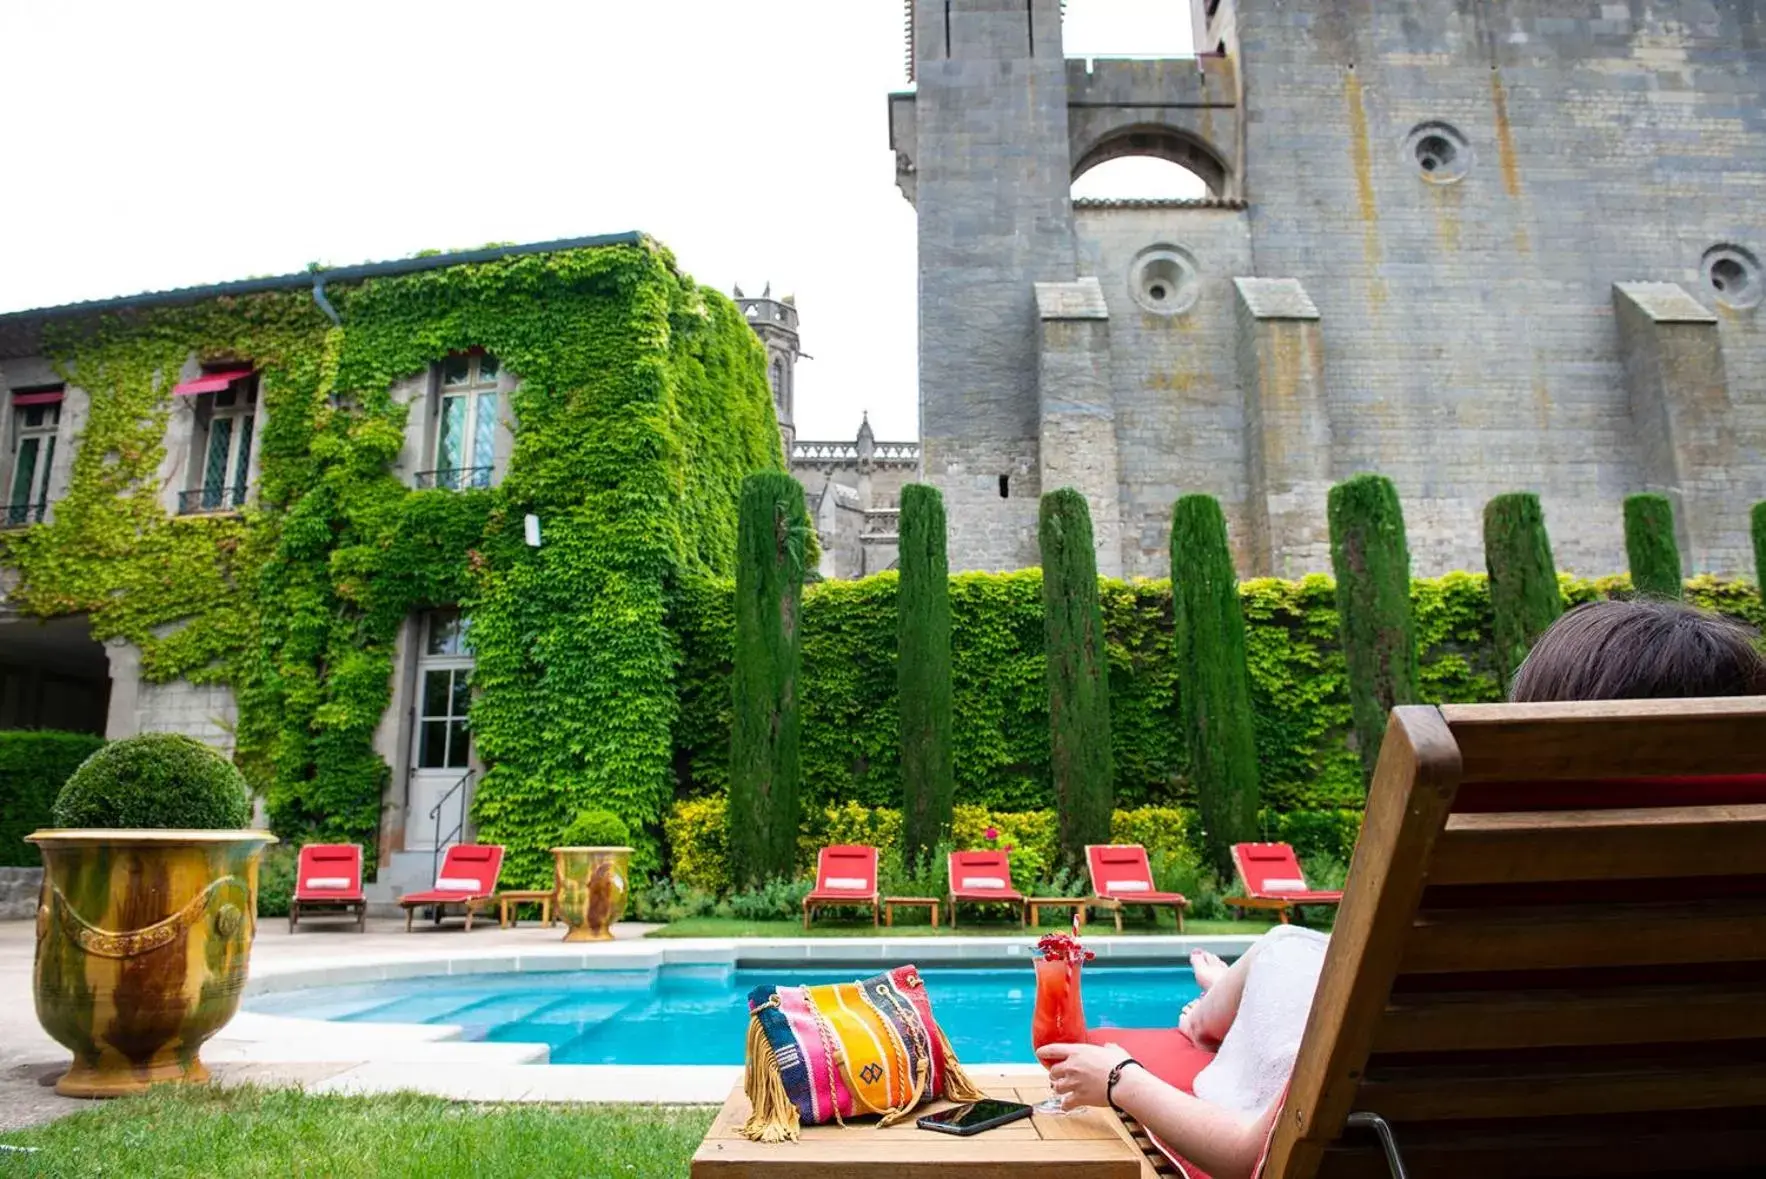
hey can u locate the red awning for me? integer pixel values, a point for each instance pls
(40, 397)
(210, 382)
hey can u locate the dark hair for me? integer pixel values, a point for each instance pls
(1638, 650)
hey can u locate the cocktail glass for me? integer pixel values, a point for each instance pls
(1059, 1017)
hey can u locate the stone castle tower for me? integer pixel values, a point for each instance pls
(775, 322)
(1476, 247)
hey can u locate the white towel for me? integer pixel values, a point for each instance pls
(1257, 1056)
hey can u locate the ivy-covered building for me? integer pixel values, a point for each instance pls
(297, 517)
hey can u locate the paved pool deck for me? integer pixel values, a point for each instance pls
(384, 1058)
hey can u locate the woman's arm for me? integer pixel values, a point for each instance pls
(1219, 1141)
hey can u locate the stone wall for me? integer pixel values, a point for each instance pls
(1470, 339)
(19, 890)
(1180, 419)
(1459, 194)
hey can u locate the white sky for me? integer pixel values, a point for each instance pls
(173, 143)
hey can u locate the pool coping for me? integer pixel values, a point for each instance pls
(429, 1058)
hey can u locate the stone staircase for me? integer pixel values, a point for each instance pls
(399, 873)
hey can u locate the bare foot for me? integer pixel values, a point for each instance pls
(1208, 967)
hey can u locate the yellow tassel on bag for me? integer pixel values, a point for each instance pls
(957, 1085)
(773, 1117)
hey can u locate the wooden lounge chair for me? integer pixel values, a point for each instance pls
(1270, 878)
(328, 878)
(1120, 875)
(1551, 954)
(982, 878)
(846, 874)
(468, 878)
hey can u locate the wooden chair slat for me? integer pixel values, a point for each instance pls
(1430, 1095)
(1476, 1021)
(1561, 937)
(1531, 847)
(1681, 1145)
(1609, 739)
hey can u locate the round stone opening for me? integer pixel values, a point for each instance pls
(1164, 280)
(1733, 275)
(1439, 152)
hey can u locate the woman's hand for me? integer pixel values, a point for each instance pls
(1078, 1073)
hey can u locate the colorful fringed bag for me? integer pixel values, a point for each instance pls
(828, 1053)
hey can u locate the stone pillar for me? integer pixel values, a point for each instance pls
(1680, 403)
(124, 717)
(1077, 446)
(1287, 427)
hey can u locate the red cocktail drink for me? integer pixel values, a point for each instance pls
(1059, 1017)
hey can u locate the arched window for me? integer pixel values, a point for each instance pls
(779, 380)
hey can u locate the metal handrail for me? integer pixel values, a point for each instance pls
(18, 515)
(459, 827)
(211, 499)
(455, 478)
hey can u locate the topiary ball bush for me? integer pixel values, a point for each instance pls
(597, 829)
(151, 781)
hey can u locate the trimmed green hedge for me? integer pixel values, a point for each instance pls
(1215, 691)
(1651, 546)
(765, 769)
(923, 671)
(1077, 678)
(849, 741)
(1524, 591)
(1372, 562)
(34, 763)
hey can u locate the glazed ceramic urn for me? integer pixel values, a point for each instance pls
(143, 939)
(591, 890)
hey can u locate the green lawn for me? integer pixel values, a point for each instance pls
(204, 1131)
(914, 925)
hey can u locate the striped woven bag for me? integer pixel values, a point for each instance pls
(828, 1053)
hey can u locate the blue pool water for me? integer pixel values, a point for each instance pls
(698, 1014)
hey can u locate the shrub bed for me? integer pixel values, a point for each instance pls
(34, 763)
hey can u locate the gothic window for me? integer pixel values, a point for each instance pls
(778, 381)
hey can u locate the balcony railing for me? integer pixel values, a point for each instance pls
(455, 478)
(18, 515)
(211, 499)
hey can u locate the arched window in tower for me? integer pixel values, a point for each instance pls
(779, 380)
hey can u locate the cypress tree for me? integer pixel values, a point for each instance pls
(1372, 564)
(771, 541)
(1760, 545)
(1524, 594)
(1079, 689)
(923, 672)
(1650, 545)
(1214, 683)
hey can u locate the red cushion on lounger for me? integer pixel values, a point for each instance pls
(1169, 1055)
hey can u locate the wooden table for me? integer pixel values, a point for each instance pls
(889, 904)
(1037, 904)
(1091, 1144)
(508, 899)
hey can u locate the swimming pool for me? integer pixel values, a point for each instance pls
(678, 1014)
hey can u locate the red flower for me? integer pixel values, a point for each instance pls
(1008, 847)
(991, 834)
